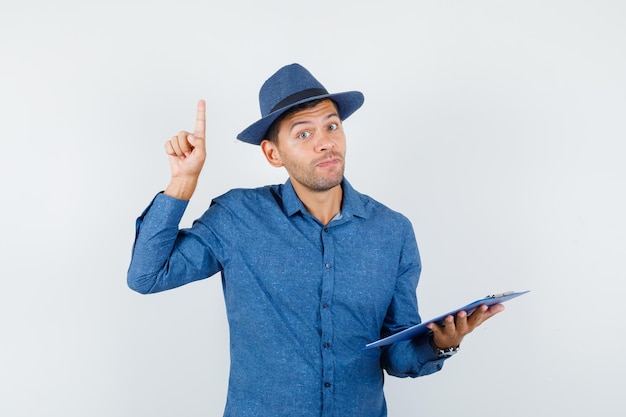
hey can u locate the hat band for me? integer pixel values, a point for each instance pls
(300, 95)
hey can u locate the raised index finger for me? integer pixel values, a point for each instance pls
(200, 128)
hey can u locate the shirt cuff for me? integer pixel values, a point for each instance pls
(162, 210)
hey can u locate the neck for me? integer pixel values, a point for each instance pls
(323, 205)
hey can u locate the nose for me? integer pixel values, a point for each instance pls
(324, 141)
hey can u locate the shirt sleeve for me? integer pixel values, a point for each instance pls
(411, 358)
(164, 257)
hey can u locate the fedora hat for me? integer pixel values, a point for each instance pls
(289, 86)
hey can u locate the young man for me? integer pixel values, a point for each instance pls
(312, 270)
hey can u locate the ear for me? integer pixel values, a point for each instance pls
(271, 153)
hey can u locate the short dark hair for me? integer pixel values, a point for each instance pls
(272, 131)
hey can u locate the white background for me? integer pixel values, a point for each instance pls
(497, 127)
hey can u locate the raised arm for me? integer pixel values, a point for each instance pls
(162, 258)
(187, 153)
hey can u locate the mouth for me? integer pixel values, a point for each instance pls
(330, 161)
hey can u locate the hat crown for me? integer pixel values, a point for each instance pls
(288, 85)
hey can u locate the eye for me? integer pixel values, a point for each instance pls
(333, 126)
(304, 135)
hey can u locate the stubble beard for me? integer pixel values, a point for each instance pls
(319, 183)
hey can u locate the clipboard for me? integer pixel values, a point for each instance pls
(421, 328)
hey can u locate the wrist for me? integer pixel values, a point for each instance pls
(181, 188)
(442, 353)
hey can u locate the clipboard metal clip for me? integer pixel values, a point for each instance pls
(502, 294)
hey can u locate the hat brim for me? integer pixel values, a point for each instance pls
(347, 103)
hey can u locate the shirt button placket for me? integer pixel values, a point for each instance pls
(328, 282)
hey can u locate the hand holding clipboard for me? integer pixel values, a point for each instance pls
(421, 328)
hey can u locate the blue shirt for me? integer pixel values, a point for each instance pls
(302, 299)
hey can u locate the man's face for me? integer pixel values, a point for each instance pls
(311, 146)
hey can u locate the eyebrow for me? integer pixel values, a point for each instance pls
(306, 121)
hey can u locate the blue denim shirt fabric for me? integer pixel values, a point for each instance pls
(302, 299)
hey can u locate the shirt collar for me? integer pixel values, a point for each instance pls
(352, 203)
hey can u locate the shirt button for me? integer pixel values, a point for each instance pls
(327, 384)
(327, 266)
(326, 345)
(326, 229)
(325, 305)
